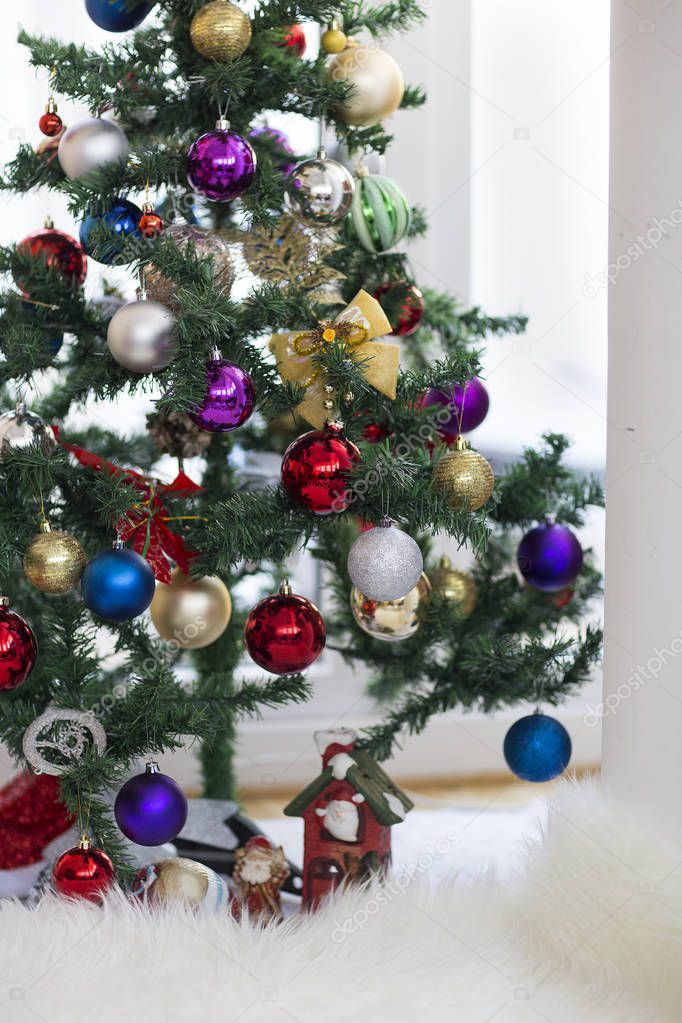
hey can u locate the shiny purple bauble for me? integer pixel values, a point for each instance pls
(280, 140)
(229, 400)
(469, 401)
(221, 165)
(151, 808)
(549, 557)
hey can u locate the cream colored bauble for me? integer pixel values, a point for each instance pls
(191, 612)
(378, 84)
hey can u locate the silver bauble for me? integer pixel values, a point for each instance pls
(91, 145)
(19, 428)
(320, 191)
(140, 336)
(384, 563)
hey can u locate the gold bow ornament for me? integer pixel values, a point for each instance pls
(356, 327)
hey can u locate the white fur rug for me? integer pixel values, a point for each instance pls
(589, 930)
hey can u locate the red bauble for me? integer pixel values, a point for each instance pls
(295, 40)
(403, 304)
(59, 250)
(315, 470)
(18, 650)
(374, 433)
(50, 124)
(83, 872)
(151, 223)
(285, 633)
(31, 816)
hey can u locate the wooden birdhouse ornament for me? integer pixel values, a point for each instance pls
(348, 812)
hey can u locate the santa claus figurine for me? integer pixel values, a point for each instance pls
(260, 870)
(338, 812)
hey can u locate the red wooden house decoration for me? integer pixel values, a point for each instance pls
(348, 813)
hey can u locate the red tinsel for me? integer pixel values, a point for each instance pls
(31, 816)
(146, 521)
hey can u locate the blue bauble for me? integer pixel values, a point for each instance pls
(550, 557)
(151, 808)
(117, 15)
(121, 220)
(55, 343)
(118, 584)
(537, 748)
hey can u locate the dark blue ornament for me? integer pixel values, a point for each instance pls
(117, 15)
(537, 748)
(102, 233)
(550, 557)
(55, 343)
(118, 584)
(151, 808)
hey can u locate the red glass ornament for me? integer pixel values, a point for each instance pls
(285, 633)
(374, 433)
(50, 123)
(563, 598)
(84, 872)
(295, 40)
(315, 470)
(403, 304)
(151, 223)
(18, 650)
(59, 250)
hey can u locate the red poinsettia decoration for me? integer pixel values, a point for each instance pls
(146, 521)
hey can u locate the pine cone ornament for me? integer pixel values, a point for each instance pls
(174, 433)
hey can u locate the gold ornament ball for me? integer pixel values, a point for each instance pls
(334, 41)
(378, 84)
(177, 880)
(54, 561)
(392, 620)
(454, 587)
(464, 478)
(220, 31)
(191, 612)
(206, 243)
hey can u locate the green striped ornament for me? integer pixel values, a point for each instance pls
(380, 214)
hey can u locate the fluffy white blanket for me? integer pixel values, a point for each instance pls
(589, 930)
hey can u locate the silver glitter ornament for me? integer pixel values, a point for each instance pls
(20, 427)
(320, 191)
(59, 738)
(91, 145)
(140, 336)
(384, 563)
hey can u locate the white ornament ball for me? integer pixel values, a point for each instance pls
(140, 336)
(91, 145)
(385, 563)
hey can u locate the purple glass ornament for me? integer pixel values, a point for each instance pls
(474, 399)
(221, 164)
(229, 400)
(549, 556)
(151, 808)
(278, 137)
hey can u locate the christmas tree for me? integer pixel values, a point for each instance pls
(331, 354)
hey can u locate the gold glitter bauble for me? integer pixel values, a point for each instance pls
(392, 620)
(191, 612)
(464, 478)
(454, 587)
(54, 561)
(220, 31)
(206, 243)
(378, 84)
(177, 880)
